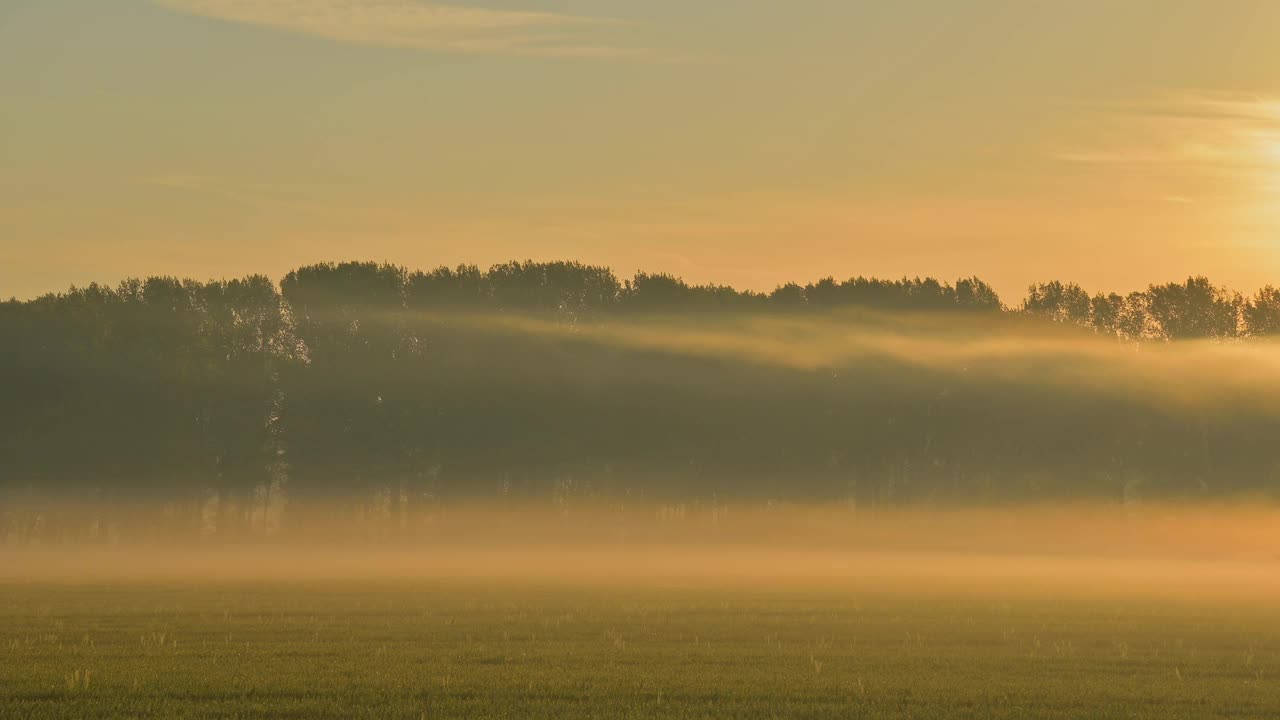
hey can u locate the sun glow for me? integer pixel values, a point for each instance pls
(1271, 151)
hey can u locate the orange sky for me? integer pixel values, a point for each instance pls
(746, 142)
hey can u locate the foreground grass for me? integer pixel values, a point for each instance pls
(523, 650)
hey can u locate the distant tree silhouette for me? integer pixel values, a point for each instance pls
(369, 382)
(1194, 309)
(975, 294)
(1059, 302)
(1262, 312)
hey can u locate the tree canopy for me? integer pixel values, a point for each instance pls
(542, 380)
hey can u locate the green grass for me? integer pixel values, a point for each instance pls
(525, 651)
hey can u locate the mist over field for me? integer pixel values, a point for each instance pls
(661, 611)
(1204, 553)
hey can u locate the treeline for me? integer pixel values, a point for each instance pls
(364, 380)
(1196, 309)
(577, 291)
(1189, 310)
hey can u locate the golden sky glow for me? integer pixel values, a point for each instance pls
(750, 142)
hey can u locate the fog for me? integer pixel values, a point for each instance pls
(1166, 551)
(1184, 375)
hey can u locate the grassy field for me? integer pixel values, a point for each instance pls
(522, 649)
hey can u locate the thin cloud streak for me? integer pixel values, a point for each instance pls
(1205, 130)
(1186, 146)
(261, 196)
(417, 25)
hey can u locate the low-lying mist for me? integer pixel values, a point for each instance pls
(383, 424)
(1090, 550)
(1183, 375)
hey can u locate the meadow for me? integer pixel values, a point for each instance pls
(713, 638)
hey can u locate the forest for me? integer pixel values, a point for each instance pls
(560, 383)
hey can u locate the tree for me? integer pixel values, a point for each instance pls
(972, 293)
(788, 297)
(1195, 309)
(465, 288)
(1133, 317)
(1105, 312)
(1067, 303)
(569, 289)
(1262, 312)
(346, 399)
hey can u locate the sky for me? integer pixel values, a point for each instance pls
(1113, 143)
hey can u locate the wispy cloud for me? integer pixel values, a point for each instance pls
(1230, 140)
(418, 25)
(176, 181)
(253, 195)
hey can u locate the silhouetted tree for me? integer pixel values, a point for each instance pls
(1194, 309)
(1059, 302)
(1262, 312)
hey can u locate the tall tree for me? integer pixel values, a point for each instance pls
(1067, 303)
(1194, 309)
(1262, 312)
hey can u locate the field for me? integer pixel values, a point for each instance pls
(433, 645)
